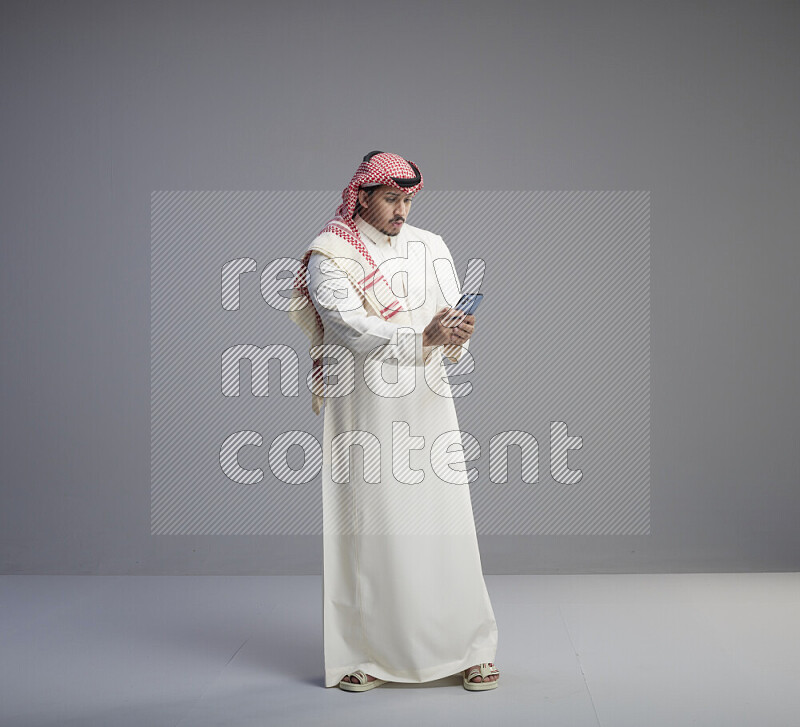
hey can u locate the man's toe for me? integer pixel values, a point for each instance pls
(353, 679)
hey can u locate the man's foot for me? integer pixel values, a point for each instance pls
(478, 678)
(359, 681)
(354, 680)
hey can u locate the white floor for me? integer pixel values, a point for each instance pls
(611, 650)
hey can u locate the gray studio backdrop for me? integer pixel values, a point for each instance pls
(627, 171)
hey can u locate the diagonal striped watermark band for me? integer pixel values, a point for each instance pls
(552, 396)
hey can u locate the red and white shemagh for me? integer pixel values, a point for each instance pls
(377, 168)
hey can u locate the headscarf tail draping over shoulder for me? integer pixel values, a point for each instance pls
(377, 168)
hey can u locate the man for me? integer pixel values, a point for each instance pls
(404, 598)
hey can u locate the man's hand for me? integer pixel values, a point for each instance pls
(448, 327)
(460, 333)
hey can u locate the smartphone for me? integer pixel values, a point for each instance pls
(469, 302)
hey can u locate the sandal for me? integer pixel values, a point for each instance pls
(363, 684)
(484, 670)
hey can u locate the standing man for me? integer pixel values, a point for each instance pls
(404, 598)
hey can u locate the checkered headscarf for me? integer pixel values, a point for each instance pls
(377, 168)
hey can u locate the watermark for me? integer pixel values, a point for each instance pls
(560, 355)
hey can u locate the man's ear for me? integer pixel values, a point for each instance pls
(363, 198)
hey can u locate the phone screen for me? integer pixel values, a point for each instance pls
(469, 302)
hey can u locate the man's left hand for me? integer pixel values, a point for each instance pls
(465, 328)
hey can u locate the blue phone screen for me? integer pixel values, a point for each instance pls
(469, 302)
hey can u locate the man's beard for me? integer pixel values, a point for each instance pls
(391, 232)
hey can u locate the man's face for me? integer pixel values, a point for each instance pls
(386, 209)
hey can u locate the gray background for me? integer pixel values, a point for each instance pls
(105, 102)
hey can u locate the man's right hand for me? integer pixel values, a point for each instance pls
(439, 331)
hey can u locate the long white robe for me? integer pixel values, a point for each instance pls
(404, 596)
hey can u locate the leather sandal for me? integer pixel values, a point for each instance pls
(484, 670)
(363, 683)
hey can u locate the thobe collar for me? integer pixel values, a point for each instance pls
(373, 234)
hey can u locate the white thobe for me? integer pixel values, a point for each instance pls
(404, 597)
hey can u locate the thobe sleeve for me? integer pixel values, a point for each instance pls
(448, 291)
(339, 305)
